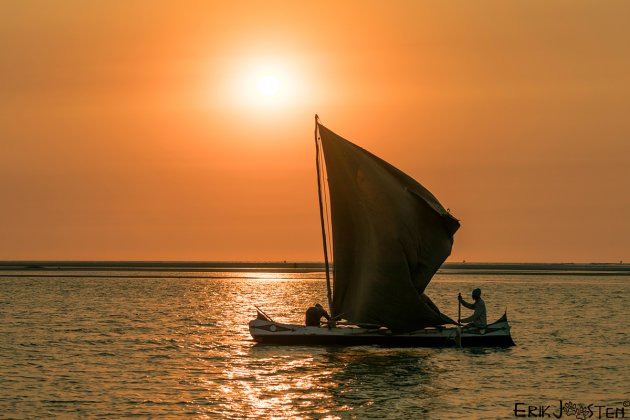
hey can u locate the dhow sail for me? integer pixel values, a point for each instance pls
(390, 236)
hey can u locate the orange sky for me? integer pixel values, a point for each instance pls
(129, 130)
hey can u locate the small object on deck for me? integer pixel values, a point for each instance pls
(314, 314)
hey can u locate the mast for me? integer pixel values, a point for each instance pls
(321, 216)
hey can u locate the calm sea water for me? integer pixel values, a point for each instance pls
(91, 344)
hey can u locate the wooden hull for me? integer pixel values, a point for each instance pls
(496, 334)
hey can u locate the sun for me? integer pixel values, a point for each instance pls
(266, 86)
(269, 85)
(262, 83)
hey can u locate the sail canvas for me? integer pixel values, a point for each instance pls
(390, 236)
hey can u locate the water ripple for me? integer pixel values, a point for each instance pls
(179, 347)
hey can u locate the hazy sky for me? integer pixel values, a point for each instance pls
(138, 130)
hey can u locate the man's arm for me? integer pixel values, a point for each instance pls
(325, 314)
(468, 319)
(468, 305)
(474, 317)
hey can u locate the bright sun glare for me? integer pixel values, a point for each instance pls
(265, 83)
(269, 85)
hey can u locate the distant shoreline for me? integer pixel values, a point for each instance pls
(302, 267)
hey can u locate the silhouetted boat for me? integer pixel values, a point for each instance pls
(389, 237)
(267, 331)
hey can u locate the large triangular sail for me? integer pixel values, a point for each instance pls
(390, 236)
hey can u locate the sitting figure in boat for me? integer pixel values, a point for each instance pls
(478, 318)
(314, 314)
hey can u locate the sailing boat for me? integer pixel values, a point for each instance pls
(390, 235)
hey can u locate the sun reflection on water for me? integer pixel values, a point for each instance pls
(180, 347)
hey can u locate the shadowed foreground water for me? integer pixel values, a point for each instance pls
(179, 346)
